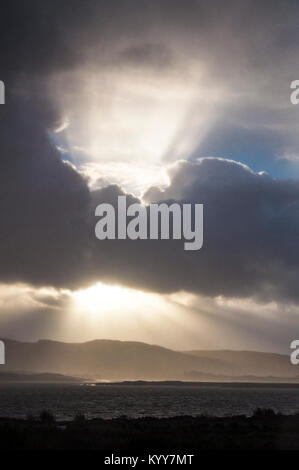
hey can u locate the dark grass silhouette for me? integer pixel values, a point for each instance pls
(265, 430)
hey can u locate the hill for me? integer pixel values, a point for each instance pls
(250, 363)
(42, 377)
(103, 360)
(127, 360)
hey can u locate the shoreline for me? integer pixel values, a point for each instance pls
(156, 383)
(180, 383)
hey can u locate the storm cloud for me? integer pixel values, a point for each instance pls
(47, 208)
(251, 234)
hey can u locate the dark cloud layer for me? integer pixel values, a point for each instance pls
(43, 204)
(251, 234)
(47, 223)
(251, 228)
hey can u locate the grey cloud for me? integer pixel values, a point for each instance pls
(43, 204)
(51, 300)
(47, 222)
(250, 237)
(147, 54)
(251, 227)
(236, 45)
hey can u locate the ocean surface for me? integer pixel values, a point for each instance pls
(110, 401)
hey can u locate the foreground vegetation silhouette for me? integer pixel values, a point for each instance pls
(264, 430)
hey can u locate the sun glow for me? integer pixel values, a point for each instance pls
(127, 122)
(102, 298)
(113, 311)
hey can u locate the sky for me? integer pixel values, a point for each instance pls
(159, 101)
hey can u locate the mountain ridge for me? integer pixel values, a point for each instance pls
(107, 359)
